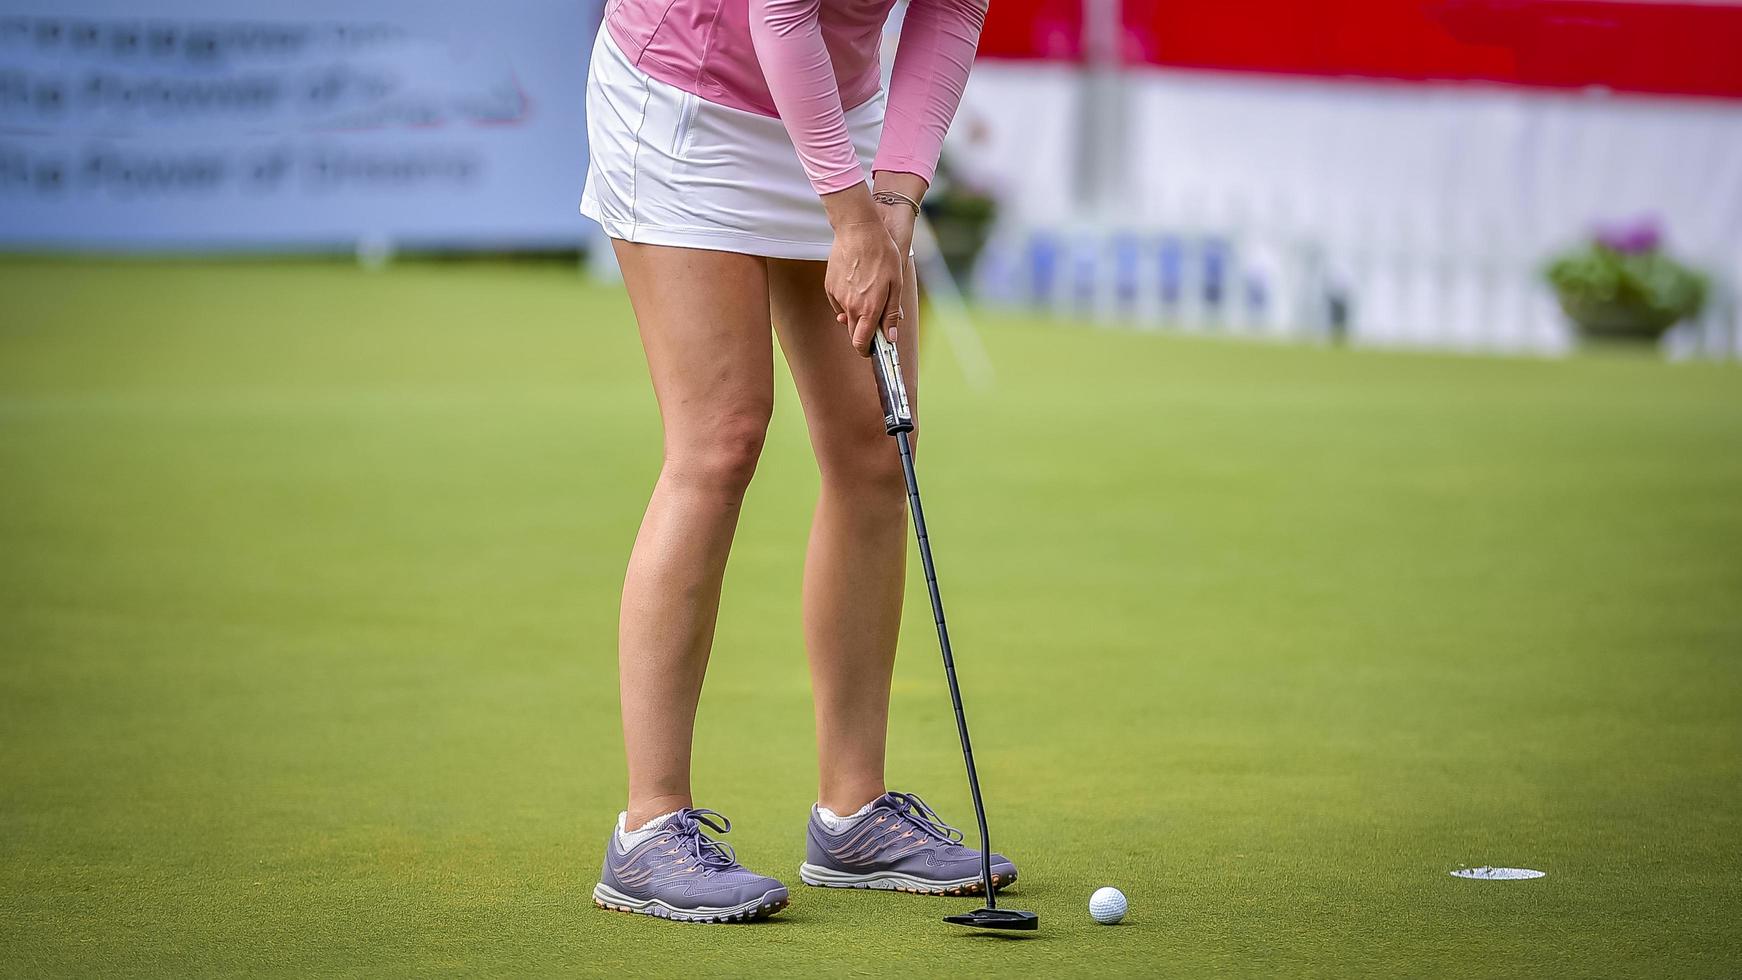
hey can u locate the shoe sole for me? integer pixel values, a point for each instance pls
(895, 881)
(770, 902)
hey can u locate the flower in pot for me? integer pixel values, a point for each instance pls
(1622, 286)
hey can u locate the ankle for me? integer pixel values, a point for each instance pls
(848, 801)
(641, 811)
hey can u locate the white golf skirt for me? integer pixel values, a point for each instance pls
(670, 168)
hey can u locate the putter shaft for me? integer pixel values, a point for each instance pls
(898, 422)
(937, 611)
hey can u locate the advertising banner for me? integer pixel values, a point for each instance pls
(211, 124)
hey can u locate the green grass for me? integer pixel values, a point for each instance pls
(308, 583)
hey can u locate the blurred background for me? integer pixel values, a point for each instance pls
(1491, 175)
(1333, 455)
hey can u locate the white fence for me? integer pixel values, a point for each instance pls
(1421, 291)
(1387, 214)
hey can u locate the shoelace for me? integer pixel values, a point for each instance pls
(914, 809)
(687, 826)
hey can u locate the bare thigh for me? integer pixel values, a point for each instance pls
(834, 383)
(704, 323)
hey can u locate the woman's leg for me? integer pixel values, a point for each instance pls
(854, 568)
(704, 321)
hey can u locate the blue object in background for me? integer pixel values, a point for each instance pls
(1170, 257)
(1257, 294)
(1085, 272)
(1215, 252)
(1043, 267)
(1127, 270)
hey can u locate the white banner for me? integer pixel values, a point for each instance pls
(197, 124)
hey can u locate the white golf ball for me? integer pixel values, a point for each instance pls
(1107, 905)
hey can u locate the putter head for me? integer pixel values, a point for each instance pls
(996, 919)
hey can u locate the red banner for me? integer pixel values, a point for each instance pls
(1653, 47)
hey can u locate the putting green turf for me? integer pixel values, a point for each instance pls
(308, 587)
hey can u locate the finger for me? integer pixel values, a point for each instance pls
(890, 310)
(892, 324)
(862, 335)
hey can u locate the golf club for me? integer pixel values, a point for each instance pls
(898, 422)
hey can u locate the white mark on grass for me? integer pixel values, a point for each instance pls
(1486, 873)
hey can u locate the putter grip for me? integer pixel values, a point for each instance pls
(897, 414)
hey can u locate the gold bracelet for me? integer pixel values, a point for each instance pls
(896, 197)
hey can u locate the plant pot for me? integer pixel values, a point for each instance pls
(1619, 321)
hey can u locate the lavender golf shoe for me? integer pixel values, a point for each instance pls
(682, 874)
(900, 845)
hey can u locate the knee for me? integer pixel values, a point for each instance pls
(867, 468)
(724, 459)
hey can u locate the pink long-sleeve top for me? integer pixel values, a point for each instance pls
(806, 62)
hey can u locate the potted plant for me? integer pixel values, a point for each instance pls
(1622, 286)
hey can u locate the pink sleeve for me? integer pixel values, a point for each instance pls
(795, 62)
(938, 40)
